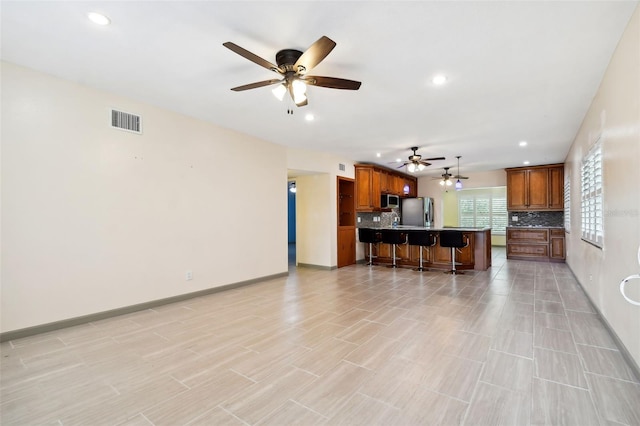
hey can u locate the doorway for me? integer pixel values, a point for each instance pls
(291, 223)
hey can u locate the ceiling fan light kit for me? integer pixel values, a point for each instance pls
(292, 66)
(416, 163)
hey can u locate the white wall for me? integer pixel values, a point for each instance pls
(95, 218)
(614, 114)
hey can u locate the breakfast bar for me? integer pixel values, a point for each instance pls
(476, 255)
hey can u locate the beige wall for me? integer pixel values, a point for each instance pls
(615, 115)
(95, 218)
(316, 204)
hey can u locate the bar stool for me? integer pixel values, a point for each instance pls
(455, 240)
(422, 239)
(393, 237)
(371, 237)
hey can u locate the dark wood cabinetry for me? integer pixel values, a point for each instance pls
(543, 244)
(367, 189)
(373, 181)
(477, 255)
(535, 188)
(556, 244)
(346, 222)
(464, 256)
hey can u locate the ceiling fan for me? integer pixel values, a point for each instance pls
(446, 178)
(292, 66)
(415, 162)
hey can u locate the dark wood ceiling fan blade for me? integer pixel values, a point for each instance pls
(251, 56)
(332, 82)
(460, 177)
(424, 163)
(314, 54)
(256, 85)
(435, 158)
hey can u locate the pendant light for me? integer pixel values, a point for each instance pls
(458, 183)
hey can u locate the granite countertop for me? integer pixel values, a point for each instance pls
(426, 228)
(535, 226)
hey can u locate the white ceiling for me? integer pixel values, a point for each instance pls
(517, 70)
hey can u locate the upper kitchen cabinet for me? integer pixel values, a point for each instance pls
(367, 188)
(410, 188)
(373, 181)
(535, 188)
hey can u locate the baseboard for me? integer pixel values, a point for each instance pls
(57, 325)
(322, 267)
(621, 347)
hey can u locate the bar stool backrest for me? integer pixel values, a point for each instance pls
(391, 236)
(368, 235)
(452, 239)
(421, 238)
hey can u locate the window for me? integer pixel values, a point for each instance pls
(592, 202)
(567, 201)
(483, 207)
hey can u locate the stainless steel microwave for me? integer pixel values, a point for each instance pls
(389, 201)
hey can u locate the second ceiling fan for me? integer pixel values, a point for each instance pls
(292, 66)
(446, 179)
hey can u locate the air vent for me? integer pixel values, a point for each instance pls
(126, 121)
(341, 167)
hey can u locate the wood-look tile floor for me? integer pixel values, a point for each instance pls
(516, 345)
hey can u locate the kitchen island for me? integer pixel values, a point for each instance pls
(476, 255)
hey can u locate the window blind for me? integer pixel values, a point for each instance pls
(567, 201)
(592, 200)
(483, 207)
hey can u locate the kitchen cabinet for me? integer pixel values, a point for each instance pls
(346, 222)
(535, 188)
(541, 244)
(367, 189)
(373, 181)
(385, 179)
(410, 188)
(346, 246)
(556, 245)
(556, 188)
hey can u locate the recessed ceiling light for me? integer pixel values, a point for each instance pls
(309, 117)
(398, 160)
(378, 154)
(439, 79)
(526, 163)
(523, 143)
(98, 18)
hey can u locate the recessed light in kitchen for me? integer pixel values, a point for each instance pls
(398, 160)
(98, 18)
(523, 143)
(309, 117)
(439, 79)
(526, 163)
(378, 154)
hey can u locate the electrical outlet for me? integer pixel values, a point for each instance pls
(359, 219)
(189, 276)
(514, 218)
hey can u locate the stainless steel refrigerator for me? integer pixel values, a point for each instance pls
(417, 211)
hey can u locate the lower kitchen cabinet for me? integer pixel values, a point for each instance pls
(556, 245)
(541, 244)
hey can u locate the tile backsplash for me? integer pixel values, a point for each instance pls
(552, 219)
(370, 219)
